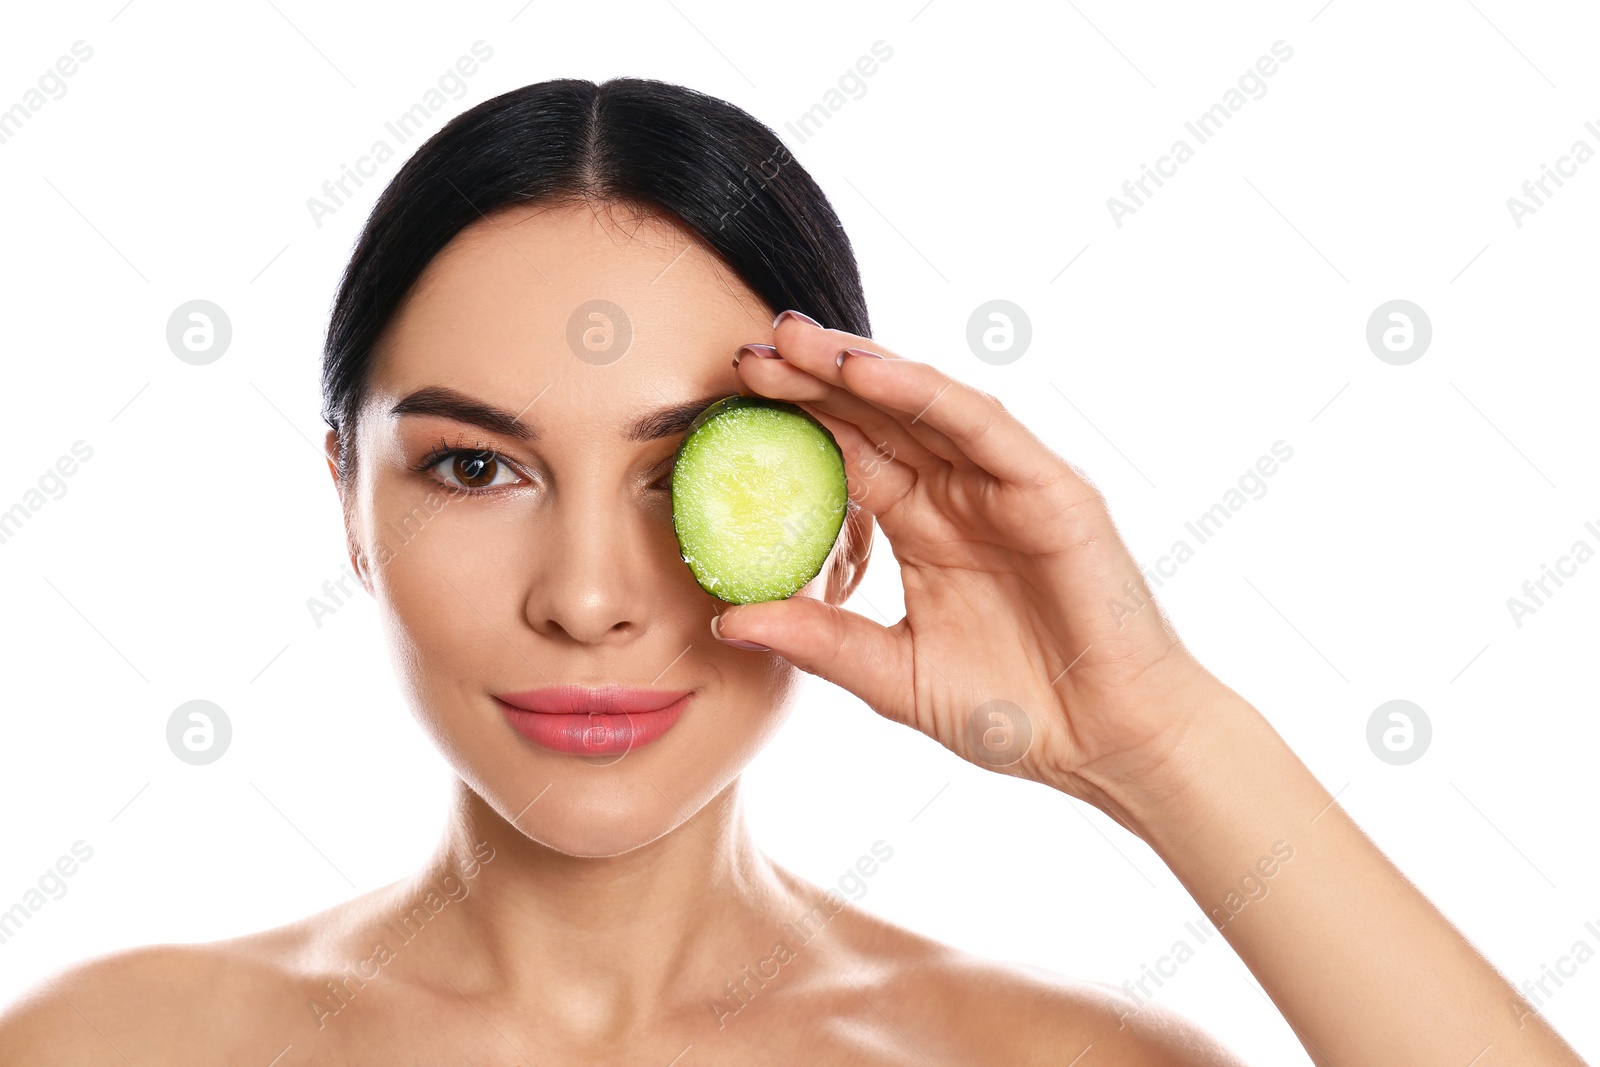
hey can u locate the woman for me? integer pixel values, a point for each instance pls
(542, 300)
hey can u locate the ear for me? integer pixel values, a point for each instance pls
(330, 448)
(850, 564)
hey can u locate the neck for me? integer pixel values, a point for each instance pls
(598, 946)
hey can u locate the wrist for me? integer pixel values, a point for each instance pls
(1221, 744)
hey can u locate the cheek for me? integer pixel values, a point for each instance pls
(444, 570)
(752, 694)
(450, 597)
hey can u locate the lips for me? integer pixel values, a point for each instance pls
(593, 721)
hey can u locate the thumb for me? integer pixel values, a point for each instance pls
(850, 650)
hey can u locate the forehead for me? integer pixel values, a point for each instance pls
(548, 295)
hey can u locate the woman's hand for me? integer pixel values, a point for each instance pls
(1017, 588)
(1019, 593)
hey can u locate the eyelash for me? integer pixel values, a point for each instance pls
(480, 451)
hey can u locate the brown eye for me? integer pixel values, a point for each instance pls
(475, 470)
(471, 470)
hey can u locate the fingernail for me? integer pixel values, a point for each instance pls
(838, 360)
(794, 315)
(735, 642)
(764, 351)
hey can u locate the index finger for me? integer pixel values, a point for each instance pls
(974, 421)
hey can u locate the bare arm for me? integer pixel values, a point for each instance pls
(1361, 965)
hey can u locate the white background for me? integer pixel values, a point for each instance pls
(1228, 313)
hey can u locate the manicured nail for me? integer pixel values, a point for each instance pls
(838, 360)
(735, 642)
(764, 351)
(794, 315)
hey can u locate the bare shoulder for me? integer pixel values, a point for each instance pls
(1046, 1017)
(100, 1010)
(167, 1003)
(964, 1008)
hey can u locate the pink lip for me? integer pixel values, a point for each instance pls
(584, 721)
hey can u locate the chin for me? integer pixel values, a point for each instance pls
(595, 820)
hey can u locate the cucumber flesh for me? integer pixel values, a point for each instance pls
(758, 498)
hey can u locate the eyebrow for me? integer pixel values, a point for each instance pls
(653, 425)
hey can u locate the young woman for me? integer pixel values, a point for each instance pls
(540, 303)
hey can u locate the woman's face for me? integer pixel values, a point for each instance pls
(553, 562)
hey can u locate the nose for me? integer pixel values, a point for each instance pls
(596, 567)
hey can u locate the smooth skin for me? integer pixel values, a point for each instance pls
(593, 910)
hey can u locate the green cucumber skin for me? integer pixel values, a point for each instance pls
(747, 594)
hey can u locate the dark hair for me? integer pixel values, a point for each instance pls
(701, 162)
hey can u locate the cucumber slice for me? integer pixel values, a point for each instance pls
(758, 498)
